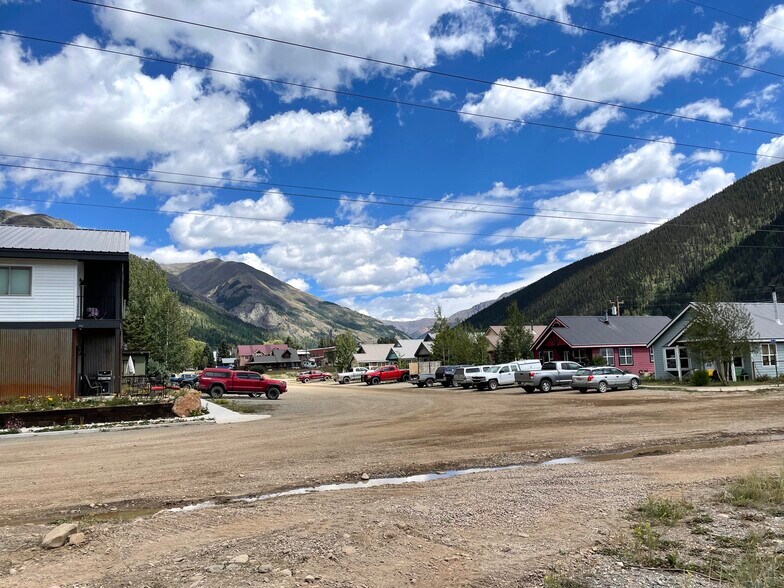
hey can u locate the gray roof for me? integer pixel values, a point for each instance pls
(373, 352)
(763, 316)
(60, 239)
(593, 331)
(407, 348)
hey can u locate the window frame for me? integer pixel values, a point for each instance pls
(9, 269)
(622, 356)
(611, 354)
(581, 356)
(546, 355)
(771, 357)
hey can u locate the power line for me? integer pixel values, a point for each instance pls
(338, 199)
(278, 184)
(434, 71)
(418, 105)
(304, 222)
(605, 33)
(727, 12)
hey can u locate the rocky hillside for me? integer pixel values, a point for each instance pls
(274, 306)
(8, 217)
(736, 237)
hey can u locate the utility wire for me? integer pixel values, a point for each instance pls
(741, 17)
(433, 71)
(599, 32)
(321, 189)
(416, 104)
(317, 223)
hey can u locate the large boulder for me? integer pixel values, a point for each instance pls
(59, 535)
(187, 404)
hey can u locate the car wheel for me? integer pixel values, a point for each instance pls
(602, 387)
(420, 385)
(429, 382)
(634, 384)
(346, 380)
(186, 386)
(493, 385)
(405, 378)
(375, 381)
(216, 392)
(481, 387)
(545, 386)
(529, 389)
(273, 393)
(255, 394)
(305, 380)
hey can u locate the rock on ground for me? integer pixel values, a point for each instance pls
(59, 535)
(187, 404)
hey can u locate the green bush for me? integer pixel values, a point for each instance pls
(700, 378)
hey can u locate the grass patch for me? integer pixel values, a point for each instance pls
(246, 408)
(560, 580)
(23, 404)
(663, 511)
(756, 570)
(763, 492)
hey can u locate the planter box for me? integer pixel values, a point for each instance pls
(93, 414)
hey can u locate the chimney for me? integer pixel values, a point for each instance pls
(776, 306)
(606, 317)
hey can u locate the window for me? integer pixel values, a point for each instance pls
(650, 354)
(625, 356)
(573, 366)
(566, 355)
(768, 353)
(608, 354)
(549, 366)
(16, 281)
(671, 361)
(504, 370)
(546, 355)
(581, 356)
(254, 376)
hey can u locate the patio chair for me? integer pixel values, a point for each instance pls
(740, 374)
(93, 389)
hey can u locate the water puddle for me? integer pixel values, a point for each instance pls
(656, 450)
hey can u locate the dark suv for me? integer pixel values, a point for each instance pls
(445, 375)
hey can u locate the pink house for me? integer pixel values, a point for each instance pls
(622, 341)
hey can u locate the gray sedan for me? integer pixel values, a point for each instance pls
(604, 378)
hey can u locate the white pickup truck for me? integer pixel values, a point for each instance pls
(353, 375)
(553, 373)
(503, 375)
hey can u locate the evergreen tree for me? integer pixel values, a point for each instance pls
(516, 340)
(345, 348)
(442, 346)
(224, 350)
(207, 357)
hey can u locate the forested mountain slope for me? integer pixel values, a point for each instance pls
(660, 271)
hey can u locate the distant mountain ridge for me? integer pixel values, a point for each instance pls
(723, 238)
(9, 217)
(275, 307)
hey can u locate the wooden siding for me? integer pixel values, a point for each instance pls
(53, 296)
(101, 352)
(36, 363)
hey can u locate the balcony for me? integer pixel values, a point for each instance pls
(96, 308)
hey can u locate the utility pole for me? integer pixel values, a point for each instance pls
(616, 306)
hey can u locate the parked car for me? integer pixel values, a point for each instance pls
(604, 378)
(313, 376)
(219, 381)
(445, 375)
(188, 381)
(422, 380)
(353, 375)
(387, 373)
(463, 375)
(552, 374)
(503, 375)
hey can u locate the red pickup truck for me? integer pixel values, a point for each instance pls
(217, 382)
(387, 373)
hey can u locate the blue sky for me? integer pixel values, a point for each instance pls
(507, 182)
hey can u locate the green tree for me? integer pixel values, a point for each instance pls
(516, 340)
(443, 333)
(719, 331)
(155, 321)
(386, 340)
(208, 357)
(345, 348)
(224, 350)
(195, 354)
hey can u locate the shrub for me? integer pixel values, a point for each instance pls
(761, 491)
(598, 360)
(700, 378)
(663, 510)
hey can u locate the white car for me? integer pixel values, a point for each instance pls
(354, 375)
(503, 375)
(463, 375)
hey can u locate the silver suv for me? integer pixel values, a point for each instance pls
(463, 375)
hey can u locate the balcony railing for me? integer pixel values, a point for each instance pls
(96, 308)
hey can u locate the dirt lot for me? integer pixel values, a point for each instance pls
(494, 529)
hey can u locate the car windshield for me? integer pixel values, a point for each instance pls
(584, 372)
(494, 369)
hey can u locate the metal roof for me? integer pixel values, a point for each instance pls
(763, 316)
(596, 331)
(61, 239)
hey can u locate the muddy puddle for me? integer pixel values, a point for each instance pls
(651, 451)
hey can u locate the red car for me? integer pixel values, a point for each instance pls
(387, 373)
(217, 382)
(313, 375)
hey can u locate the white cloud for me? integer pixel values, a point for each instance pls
(555, 9)
(439, 96)
(505, 102)
(707, 108)
(774, 148)
(600, 118)
(706, 156)
(128, 189)
(97, 107)
(416, 32)
(299, 284)
(766, 37)
(649, 162)
(612, 8)
(354, 210)
(187, 201)
(760, 104)
(467, 266)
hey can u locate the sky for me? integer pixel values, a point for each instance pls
(386, 208)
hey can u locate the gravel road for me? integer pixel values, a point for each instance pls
(496, 529)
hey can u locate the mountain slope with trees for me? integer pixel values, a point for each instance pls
(659, 272)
